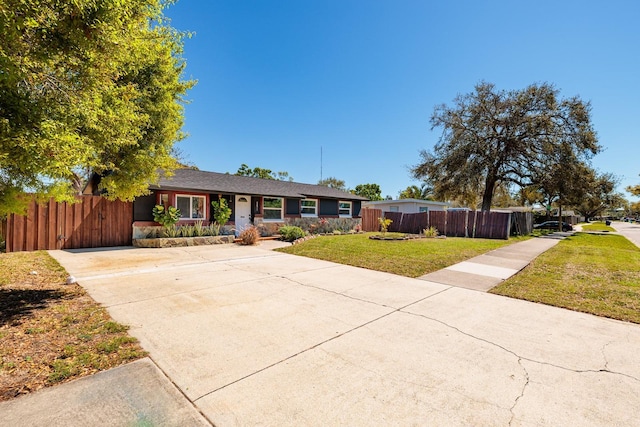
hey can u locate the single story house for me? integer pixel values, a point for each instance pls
(252, 200)
(406, 205)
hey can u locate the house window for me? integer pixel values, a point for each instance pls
(344, 208)
(191, 207)
(394, 209)
(272, 209)
(164, 199)
(309, 207)
(423, 209)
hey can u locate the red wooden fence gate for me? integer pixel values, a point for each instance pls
(92, 222)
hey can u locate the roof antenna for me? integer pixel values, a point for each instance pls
(321, 163)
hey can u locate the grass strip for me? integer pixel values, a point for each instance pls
(597, 226)
(592, 273)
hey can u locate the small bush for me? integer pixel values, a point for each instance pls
(187, 231)
(289, 233)
(325, 225)
(212, 229)
(199, 229)
(171, 231)
(166, 216)
(249, 236)
(430, 232)
(384, 224)
(221, 211)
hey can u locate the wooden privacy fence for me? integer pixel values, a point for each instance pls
(490, 225)
(92, 222)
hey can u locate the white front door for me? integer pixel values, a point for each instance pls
(242, 212)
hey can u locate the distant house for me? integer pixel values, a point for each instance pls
(406, 205)
(252, 200)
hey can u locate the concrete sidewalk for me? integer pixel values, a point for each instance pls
(136, 394)
(248, 336)
(483, 272)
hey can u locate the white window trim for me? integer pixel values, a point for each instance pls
(350, 214)
(191, 196)
(315, 208)
(281, 209)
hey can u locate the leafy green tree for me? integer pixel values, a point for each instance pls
(565, 179)
(634, 189)
(333, 182)
(599, 196)
(258, 172)
(529, 196)
(502, 197)
(491, 137)
(411, 192)
(370, 191)
(87, 85)
(414, 192)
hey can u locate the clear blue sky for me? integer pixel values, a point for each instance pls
(278, 80)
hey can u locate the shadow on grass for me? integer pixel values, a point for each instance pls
(18, 303)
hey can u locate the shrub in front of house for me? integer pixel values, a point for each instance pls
(325, 225)
(221, 211)
(250, 235)
(166, 216)
(289, 233)
(268, 229)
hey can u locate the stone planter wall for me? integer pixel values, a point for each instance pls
(172, 242)
(143, 231)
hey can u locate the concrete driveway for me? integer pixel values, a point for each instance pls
(255, 337)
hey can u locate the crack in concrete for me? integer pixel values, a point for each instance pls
(293, 356)
(604, 354)
(334, 292)
(524, 388)
(342, 294)
(564, 368)
(365, 324)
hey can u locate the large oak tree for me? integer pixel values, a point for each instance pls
(600, 196)
(494, 137)
(87, 85)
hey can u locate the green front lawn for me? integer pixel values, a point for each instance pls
(597, 226)
(411, 258)
(593, 273)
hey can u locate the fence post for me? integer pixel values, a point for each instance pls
(508, 231)
(446, 213)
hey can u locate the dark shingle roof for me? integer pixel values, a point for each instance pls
(213, 182)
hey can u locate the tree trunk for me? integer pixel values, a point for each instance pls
(487, 197)
(559, 215)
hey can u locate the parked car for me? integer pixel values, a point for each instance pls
(553, 225)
